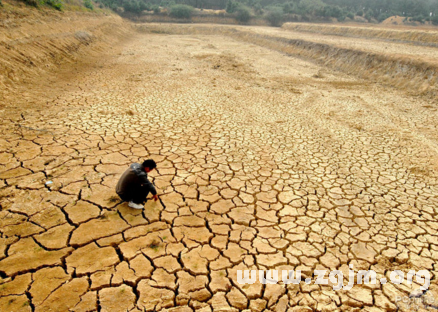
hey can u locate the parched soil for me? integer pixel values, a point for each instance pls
(265, 161)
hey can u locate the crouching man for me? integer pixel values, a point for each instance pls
(134, 186)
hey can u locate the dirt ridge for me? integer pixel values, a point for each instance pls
(420, 36)
(35, 44)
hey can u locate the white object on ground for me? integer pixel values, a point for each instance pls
(135, 206)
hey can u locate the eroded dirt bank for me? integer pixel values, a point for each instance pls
(265, 161)
(34, 43)
(427, 35)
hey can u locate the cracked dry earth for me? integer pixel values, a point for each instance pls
(263, 163)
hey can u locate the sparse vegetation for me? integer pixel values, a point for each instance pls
(31, 2)
(88, 4)
(154, 245)
(103, 216)
(113, 199)
(56, 4)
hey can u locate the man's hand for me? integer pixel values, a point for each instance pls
(155, 197)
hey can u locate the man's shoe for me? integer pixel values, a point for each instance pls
(135, 206)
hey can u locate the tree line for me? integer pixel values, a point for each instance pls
(377, 10)
(275, 11)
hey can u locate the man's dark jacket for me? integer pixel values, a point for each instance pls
(132, 179)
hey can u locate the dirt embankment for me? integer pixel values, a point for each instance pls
(428, 37)
(33, 42)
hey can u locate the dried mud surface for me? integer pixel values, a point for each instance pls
(265, 161)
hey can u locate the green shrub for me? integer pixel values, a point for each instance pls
(369, 15)
(310, 7)
(243, 15)
(339, 13)
(341, 18)
(156, 8)
(350, 15)
(258, 9)
(144, 6)
(383, 16)
(56, 4)
(434, 20)
(288, 8)
(181, 11)
(419, 18)
(88, 4)
(305, 18)
(360, 13)
(275, 16)
(31, 2)
(232, 6)
(135, 6)
(167, 3)
(131, 6)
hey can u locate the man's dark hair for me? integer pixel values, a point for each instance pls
(149, 163)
